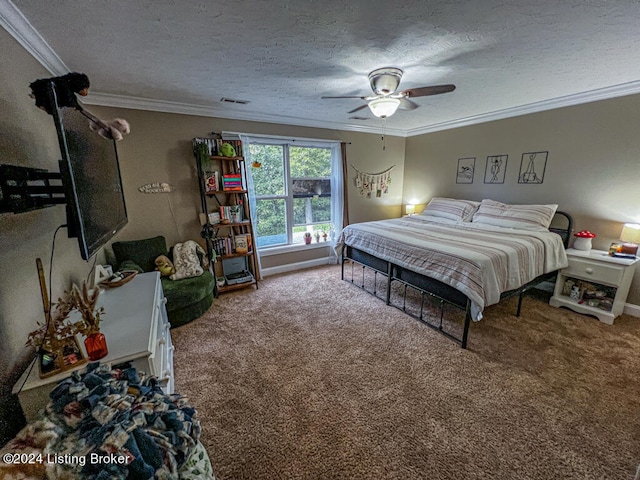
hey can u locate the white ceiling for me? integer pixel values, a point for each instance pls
(505, 57)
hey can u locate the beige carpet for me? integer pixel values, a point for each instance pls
(310, 377)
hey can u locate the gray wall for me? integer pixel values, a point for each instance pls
(592, 169)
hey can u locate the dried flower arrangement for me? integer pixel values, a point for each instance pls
(59, 328)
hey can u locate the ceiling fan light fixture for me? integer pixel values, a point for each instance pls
(384, 107)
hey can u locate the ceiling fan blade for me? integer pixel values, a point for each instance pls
(425, 91)
(359, 108)
(406, 104)
(348, 96)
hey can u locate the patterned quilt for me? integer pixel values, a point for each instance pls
(480, 261)
(109, 424)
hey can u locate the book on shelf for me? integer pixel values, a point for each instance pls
(223, 245)
(212, 218)
(242, 243)
(232, 181)
(211, 182)
(233, 213)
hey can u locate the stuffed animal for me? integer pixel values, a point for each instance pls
(227, 150)
(115, 128)
(164, 266)
(66, 88)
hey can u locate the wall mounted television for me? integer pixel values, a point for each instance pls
(90, 172)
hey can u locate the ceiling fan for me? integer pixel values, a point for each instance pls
(385, 101)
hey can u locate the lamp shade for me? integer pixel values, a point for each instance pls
(384, 106)
(630, 233)
(410, 208)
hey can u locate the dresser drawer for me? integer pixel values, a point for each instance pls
(597, 272)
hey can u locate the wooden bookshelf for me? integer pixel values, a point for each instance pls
(220, 237)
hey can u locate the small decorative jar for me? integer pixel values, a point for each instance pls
(307, 238)
(96, 346)
(583, 240)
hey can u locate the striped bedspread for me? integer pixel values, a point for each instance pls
(480, 261)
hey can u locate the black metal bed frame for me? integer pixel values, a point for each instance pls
(441, 292)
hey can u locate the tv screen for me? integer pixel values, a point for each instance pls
(90, 171)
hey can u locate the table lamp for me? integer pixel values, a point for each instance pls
(410, 208)
(630, 237)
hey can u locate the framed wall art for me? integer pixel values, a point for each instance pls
(532, 167)
(495, 168)
(466, 169)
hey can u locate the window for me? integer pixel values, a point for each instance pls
(292, 192)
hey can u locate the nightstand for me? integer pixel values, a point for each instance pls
(599, 281)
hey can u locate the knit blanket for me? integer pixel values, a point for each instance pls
(110, 424)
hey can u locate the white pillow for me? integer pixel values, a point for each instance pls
(524, 217)
(458, 210)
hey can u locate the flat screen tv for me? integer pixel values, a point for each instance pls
(90, 171)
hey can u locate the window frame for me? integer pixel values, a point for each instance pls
(288, 186)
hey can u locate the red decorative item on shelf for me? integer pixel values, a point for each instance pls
(584, 234)
(96, 345)
(583, 240)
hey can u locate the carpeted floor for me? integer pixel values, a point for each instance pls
(309, 377)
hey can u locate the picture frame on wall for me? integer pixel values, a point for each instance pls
(532, 167)
(466, 169)
(496, 168)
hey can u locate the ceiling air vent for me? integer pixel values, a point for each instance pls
(233, 100)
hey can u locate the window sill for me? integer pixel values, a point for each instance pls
(267, 251)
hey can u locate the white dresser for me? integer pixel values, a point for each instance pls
(136, 327)
(602, 283)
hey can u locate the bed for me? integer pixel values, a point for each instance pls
(463, 253)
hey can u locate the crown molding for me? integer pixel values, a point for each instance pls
(138, 103)
(14, 22)
(605, 93)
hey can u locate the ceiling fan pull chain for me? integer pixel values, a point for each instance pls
(384, 124)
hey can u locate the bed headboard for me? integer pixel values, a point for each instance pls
(562, 224)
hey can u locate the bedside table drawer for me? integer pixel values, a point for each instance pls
(611, 274)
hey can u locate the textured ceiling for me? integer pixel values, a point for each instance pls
(504, 57)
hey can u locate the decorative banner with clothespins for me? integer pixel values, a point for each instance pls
(370, 184)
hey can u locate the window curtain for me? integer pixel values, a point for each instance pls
(345, 202)
(338, 192)
(252, 195)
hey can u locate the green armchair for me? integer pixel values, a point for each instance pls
(187, 299)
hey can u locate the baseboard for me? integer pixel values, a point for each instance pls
(631, 309)
(290, 267)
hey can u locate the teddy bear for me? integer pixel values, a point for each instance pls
(164, 266)
(112, 129)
